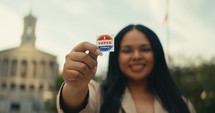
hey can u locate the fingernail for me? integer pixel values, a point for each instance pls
(99, 52)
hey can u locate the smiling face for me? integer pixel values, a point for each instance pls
(136, 58)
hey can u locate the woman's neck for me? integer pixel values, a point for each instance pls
(138, 88)
(142, 97)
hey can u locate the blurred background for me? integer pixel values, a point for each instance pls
(35, 36)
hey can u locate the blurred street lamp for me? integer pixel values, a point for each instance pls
(203, 95)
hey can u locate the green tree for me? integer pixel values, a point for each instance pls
(197, 83)
(50, 105)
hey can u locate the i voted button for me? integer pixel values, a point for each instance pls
(105, 43)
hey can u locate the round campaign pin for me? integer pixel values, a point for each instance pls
(105, 43)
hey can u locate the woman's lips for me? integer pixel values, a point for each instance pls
(136, 67)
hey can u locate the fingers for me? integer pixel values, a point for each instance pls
(84, 58)
(76, 70)
(80, 67)
(80, 64)
(75, 75)
(86, 46)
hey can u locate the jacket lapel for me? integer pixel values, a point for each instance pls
(158, 108)
(128, 105)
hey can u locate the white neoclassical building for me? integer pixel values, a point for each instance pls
(26, 74)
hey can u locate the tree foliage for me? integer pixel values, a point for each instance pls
(197, 82)
(50, 105)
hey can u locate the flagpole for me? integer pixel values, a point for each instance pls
(30, 3)
(167, 32)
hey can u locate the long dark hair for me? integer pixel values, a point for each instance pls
(160, 81)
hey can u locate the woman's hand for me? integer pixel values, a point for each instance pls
(80, 65)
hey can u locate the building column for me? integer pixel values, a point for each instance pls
(39, 69)
(30, 69)
(19, 65)
(5, 67)
(0, 67)
(34, 71)
(9, 69)
(43, 73)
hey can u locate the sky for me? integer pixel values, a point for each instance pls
(62, 24)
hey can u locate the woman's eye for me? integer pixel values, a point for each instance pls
(126, 51)
(146, 49)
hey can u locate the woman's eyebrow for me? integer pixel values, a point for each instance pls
(145, 45)
(129, 46)
(125, 46)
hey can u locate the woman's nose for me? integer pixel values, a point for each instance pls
(136, 55)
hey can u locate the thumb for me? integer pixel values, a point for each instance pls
(95, 54)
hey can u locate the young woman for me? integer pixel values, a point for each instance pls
(138, 79)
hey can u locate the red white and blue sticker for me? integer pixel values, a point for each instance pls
(105, 43)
